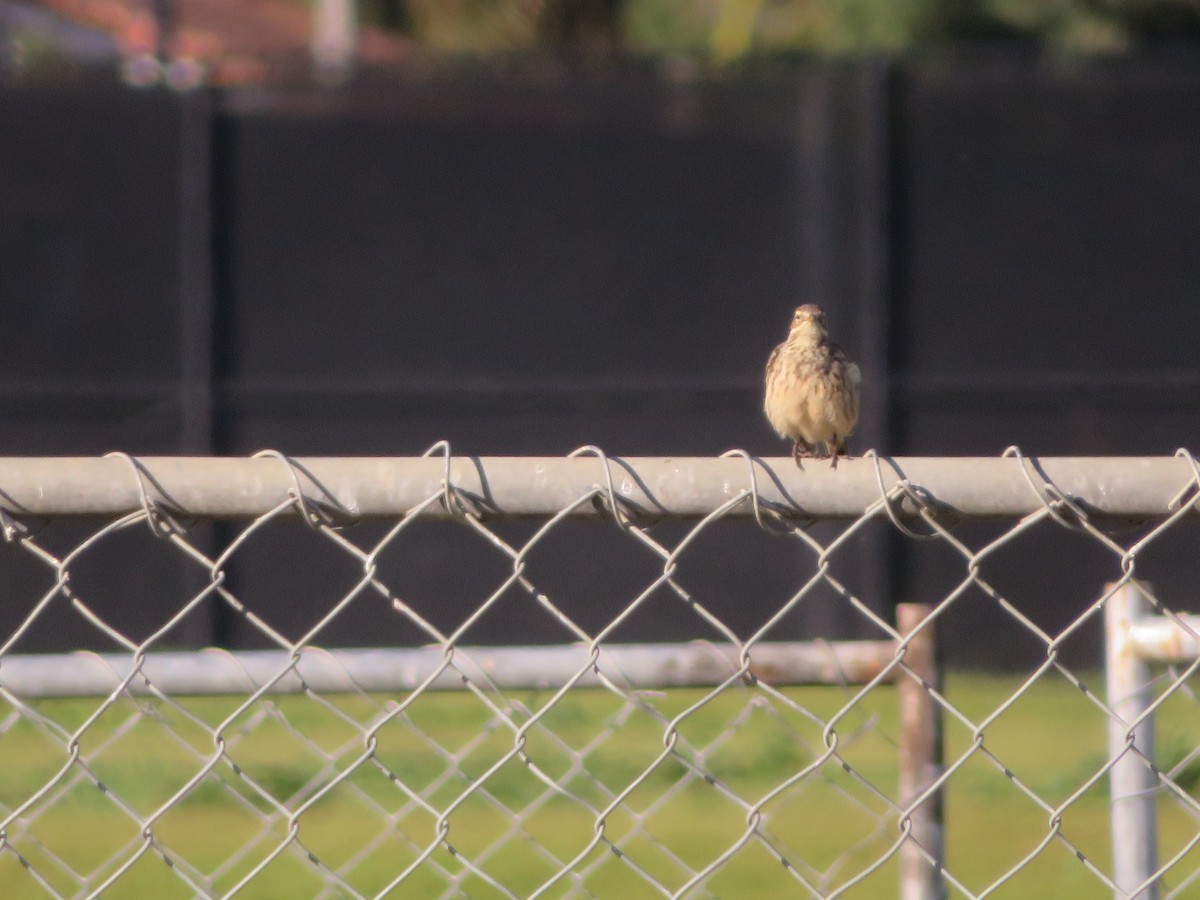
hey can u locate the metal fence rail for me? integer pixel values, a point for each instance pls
(733, 485)
(213, 671)
(584, 769)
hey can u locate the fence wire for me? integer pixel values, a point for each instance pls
(304, 771)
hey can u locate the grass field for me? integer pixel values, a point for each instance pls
(369, 827)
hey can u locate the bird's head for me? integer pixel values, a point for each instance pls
(808, 320)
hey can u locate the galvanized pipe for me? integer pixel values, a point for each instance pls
(219, 672)
(1132, 782)
(1161, 639)
(921, 763)
(212, 487)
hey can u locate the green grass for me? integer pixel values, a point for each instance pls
(282, 755)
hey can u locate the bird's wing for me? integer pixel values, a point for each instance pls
(853, 375)
(774, 356)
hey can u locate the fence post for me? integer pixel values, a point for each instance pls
(1132, 783)
(921, 758)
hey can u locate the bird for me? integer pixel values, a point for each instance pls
(812, 388)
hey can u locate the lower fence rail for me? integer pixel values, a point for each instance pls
(627, 670)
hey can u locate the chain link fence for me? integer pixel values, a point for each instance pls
(748, 762)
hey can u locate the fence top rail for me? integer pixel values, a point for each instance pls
(679, 487)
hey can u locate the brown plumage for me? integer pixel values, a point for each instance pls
(812, 388)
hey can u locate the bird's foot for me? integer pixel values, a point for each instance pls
(801, 451)
(836, 449)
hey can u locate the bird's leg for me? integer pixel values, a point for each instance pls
(838, 448)
(801, 449)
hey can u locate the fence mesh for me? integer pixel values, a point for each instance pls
(1179, 775)
(303, 776)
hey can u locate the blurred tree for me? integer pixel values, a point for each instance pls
(394, 15)
(872, 24)
(726, 31)
(1151, 20)
(733, 31)
(965, 20)
(580, 25)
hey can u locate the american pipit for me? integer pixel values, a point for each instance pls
(812, 388)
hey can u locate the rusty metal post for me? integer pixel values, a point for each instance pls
(1132, 782)
(921, 758)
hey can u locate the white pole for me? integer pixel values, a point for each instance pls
(921, 759)
(1132, 782)
(334, 38)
